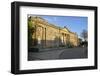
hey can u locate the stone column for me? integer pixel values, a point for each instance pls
(45, 37)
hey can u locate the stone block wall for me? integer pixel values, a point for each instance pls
(49, 35)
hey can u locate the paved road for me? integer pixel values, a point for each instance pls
(70, 53)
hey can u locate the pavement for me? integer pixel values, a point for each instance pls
(64, 53)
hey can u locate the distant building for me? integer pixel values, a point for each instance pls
(50, 35)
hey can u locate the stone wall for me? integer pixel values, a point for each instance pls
(49, 35)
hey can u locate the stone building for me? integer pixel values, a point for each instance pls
(49, 35)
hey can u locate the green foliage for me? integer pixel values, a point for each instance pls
(31, 30)
(31, 27)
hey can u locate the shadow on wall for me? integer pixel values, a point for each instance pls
(42, 44)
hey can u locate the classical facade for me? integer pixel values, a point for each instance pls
(50, 35)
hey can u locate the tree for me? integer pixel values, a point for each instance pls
(31, 30)
(80, 41)
(84, 35)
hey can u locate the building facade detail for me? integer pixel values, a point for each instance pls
(50, 35)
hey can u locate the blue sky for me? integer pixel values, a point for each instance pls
(73, 23)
